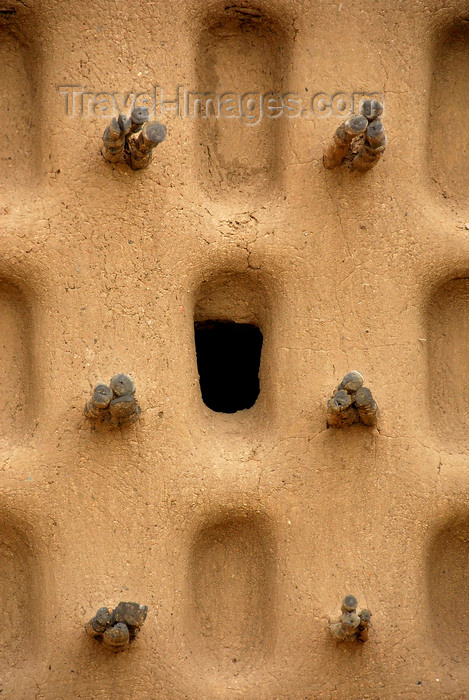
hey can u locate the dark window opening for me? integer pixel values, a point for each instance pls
(228, 359)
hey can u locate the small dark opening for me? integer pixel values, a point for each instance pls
(228, 359)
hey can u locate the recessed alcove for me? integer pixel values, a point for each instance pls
(242, 56)
(231, 617)
(447, 341)
(16, 363)
(447, 577)
(20, 596)
(448, 136)
(19, 154)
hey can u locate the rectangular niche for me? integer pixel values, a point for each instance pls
(21, 591)
(241, 52)
(232, 580)
(19, 154)
(447, 577)
(448, 358)
(448, 136)
(15, 360)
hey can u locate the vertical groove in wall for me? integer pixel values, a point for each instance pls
(449, 107)
(231, 587)
(16, 360)
(241, 53)
(448, 358)
(19, 113)
(20, 596)
(447, 576)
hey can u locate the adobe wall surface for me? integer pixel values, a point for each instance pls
(241, 532)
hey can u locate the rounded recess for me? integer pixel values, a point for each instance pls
(242, 57)
(21, 593)
(19, 157)
(231, 616)
(448, 137)
(448, 358)
(447, 578)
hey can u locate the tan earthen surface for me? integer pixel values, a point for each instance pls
(241, 532)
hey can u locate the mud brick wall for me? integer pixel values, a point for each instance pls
(240, 531)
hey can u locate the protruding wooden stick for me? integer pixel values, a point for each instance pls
(114, 139)
(115, 404)
(99, 623)
(351, 625)
(138, 117)
(124, 409)
(340, 411)
(338, 147)
(371, 109)
(351, 382)
(140, 148)
(351, 403)
(98, 402)
(362, 632)
(366, 406)
(372, 149)
(117, 628)
(122, 385)
(349, 604)
(132, 140)
(131, 614)
(116, 638)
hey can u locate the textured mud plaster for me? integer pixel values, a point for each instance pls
(22, 602)
(241, 532)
